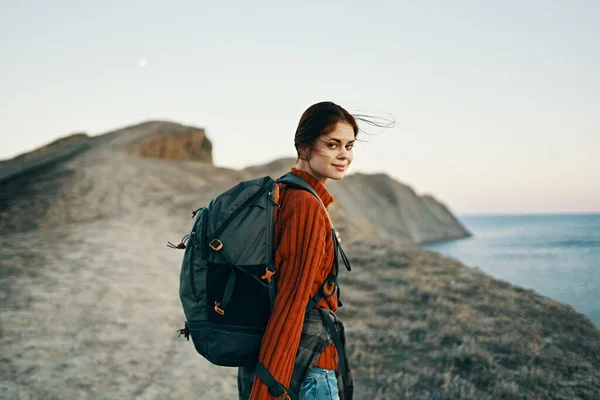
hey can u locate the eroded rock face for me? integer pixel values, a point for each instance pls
(395, 209)
(176, 143)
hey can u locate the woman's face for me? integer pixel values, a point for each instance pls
(331, 154)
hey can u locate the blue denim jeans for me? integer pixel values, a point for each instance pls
(320, 384)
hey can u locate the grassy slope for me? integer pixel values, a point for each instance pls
(422, 326)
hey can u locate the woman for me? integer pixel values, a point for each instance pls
(304, 255)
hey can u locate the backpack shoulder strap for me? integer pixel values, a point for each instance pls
(296, 181)
(299, 183)
(291, 179)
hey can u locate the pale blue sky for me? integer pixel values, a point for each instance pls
(497, 103)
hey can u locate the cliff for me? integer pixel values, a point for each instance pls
(395, 210)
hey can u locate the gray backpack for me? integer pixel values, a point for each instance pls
(227, 280)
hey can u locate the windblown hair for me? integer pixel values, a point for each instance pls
(322, 118)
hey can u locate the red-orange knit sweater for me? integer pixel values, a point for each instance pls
(303, 258)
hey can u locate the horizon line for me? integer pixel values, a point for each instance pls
(526, 213)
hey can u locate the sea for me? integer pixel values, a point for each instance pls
(558, 256)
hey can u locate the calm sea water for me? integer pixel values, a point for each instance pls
(556, 255)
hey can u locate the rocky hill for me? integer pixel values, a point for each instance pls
(89, 291)
(91, 178)
(60, 180)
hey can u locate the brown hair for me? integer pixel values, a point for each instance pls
(320, 119)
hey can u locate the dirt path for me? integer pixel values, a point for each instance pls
(90, 311)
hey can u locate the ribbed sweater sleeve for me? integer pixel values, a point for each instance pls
(304, 226)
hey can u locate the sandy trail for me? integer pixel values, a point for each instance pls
(91, 310)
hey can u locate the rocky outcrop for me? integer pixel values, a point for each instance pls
(175, 142)
(395, 210)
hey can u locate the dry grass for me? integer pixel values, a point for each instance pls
(439, 330)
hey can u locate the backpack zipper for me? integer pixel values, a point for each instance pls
(193, 243)
(276, 204)
(192, 247)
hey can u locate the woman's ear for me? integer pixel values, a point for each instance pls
(304, 153)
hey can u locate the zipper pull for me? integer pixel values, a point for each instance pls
(180, 246)
(185, 332)
(270, 195)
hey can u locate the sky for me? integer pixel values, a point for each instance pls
(497, 104)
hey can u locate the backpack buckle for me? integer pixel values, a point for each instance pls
(218, 309)
(329, 288)
(216, 244)
(268, 275)
(284, 396)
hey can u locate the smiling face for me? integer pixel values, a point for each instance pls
(330, 155)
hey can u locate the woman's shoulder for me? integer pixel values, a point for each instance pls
(302, 201)
(298, 196)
